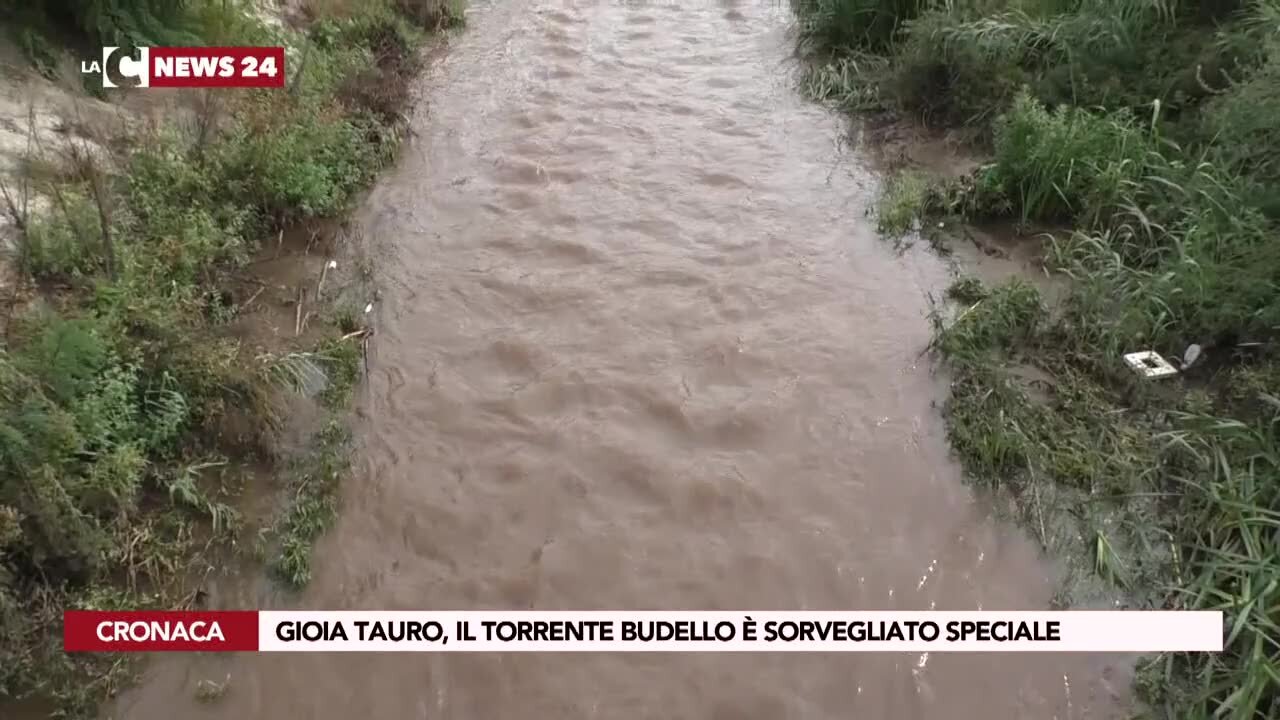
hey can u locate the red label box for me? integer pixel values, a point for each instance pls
(168, 631)
(216, 67)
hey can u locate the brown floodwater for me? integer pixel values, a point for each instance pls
(639, 347)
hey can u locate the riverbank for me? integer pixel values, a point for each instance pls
(1148, 132)
(184, 316)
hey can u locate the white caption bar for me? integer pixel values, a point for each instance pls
(621, 631)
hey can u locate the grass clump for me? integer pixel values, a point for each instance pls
(313, 503)
(850, 82)
(967, 290)
(870, 24)
(1063, 164)
(128, 395)
(1241, 116)
(901, 203)
(999, 320)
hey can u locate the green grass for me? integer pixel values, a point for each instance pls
(126, 399)
(850, 82)
(843, 24)
(967, 290)
(1067, 164)
(312, 503)
(901, 203)
(1150, 497)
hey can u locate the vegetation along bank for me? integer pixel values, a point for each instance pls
(1137, 142)
(179, 297)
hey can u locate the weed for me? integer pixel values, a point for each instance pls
(1001, 319)
(1242, 118)
(967, 290)
(1064, 164)
(901, 204)
(343, 361)
(313, 502)
(347, 317)
(63, 245)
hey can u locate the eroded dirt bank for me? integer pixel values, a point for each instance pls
(640, 348)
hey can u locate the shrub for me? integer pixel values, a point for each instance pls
(179, 231)
(1201, 268)
(947, 72)
(1065, 163)
(1244, 122)
(962, 63)
(845, 24)
(51, 441)
(306, 166)
(67, 242)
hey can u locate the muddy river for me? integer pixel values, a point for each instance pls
(639, 347)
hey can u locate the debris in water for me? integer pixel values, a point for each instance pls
(210, 690)
(1149, 365)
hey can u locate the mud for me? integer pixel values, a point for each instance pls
(639, 347)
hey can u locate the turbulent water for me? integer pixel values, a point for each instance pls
(639, 347)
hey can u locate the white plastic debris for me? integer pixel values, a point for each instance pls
(368, 308)
(1149, 365)
(333, 264)
(1190, 357)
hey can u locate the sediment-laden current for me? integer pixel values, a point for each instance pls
(639, 347)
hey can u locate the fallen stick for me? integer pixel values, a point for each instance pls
(247, 303)
(297, 318)
(323, 272)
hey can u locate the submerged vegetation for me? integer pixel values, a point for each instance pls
(130, 394)
(1152, 128)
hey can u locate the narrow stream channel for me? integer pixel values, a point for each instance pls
(640, 348)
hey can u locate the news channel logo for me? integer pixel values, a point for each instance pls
(121, 63)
